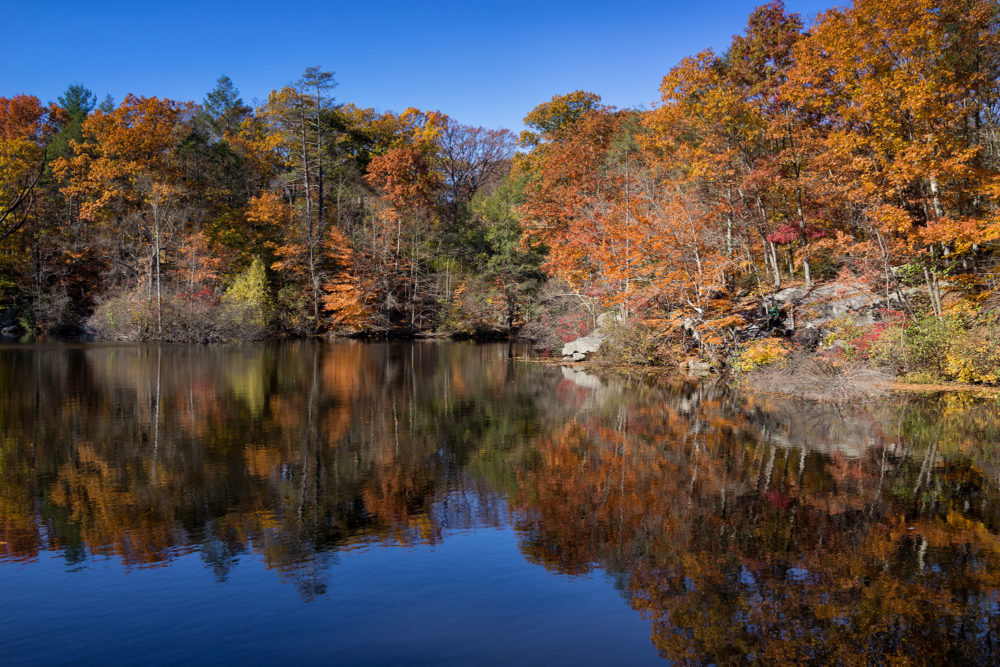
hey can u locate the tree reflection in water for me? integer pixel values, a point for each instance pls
(740, 527)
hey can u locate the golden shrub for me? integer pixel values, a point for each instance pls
(761, 353)
(974, 357)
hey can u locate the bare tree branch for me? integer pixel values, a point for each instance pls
(12, 216)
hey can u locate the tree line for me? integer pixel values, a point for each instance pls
(863, 148)
(159, 219)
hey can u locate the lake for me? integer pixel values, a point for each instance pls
(452, 503)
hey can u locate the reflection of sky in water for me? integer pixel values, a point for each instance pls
(470, 599)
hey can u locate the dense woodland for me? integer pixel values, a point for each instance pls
(862, 149)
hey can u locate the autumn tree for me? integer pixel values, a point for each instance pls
(472, 158)
(579, 203)
(298, 116)
(409, 181)
(905, 103)
(26, 127)
(127, 178)
(548, 120)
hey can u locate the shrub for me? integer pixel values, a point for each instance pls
(476, 308)
(248, 295)
(127, 316)
(853, 338)
(760, 353)
(295, 310)
(916, 346)
(198, 317)
(633, 342)
(973, 356)
(928, 348)
(558, 317)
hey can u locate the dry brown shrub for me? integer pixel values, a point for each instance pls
(822, 379)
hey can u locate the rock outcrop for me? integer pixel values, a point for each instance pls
(577, 350)
(819, 305)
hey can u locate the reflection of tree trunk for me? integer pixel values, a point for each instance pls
(311, 408)
(413, 395)
(395, 426)
(156, 411)
(877, 495)
(770, 468)
(926, 467)
(623, 430)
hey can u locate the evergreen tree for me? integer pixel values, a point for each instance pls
(223, 109)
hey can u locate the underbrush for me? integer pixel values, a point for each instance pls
(201, 317)
(635, 342)
(822, 377)
(957, 347)
(558, 317)
(477, 309)
(760, 353)
(241, 312)
(962, 347)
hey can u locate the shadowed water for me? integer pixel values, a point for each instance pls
(448, 503)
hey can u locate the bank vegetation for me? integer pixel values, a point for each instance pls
(829, 189)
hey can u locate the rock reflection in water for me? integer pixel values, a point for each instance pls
(740, 527)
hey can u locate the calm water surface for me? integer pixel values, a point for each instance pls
(437, 503)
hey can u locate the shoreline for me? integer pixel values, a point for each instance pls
(664, 372)
(670, 371)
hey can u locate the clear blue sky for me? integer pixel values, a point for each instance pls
(481, 62)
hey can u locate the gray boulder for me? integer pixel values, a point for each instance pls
(817, 306)
(698, 367)
(577, 350)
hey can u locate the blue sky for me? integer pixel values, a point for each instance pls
(483, 63)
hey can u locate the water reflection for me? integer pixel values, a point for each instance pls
(741, 528)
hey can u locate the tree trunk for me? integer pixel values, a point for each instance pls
(805, 239)
(310, 225)
(932, 291)
(774, 263)
(318, 232)
(159, 294)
